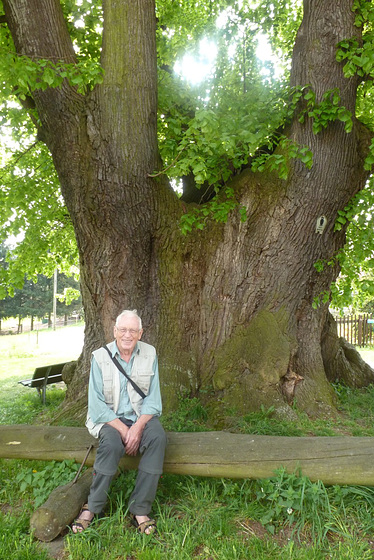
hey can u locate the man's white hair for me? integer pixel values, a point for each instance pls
(129, 313)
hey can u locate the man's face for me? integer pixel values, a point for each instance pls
(127, 334)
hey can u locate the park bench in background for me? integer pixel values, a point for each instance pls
(43, 376)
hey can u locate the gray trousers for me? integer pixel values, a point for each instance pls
(111, 449)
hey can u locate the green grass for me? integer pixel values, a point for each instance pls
(286, 517)
(20, 354)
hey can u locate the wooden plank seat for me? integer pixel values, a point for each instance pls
(43, 376)
(332, 459)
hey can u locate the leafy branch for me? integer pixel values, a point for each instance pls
(355, 284)
(327, 111)
(279, 162)
(21, 75)
(16, 158)
(216, 210)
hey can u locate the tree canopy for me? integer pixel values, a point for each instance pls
(232, 270)
(208, 131)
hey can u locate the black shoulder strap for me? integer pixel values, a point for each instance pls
(118, 365)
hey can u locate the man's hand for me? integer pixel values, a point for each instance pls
(121, 428)
(133, 437)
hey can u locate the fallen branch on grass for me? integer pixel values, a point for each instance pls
(63, 505)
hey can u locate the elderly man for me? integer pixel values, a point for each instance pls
(123, 411)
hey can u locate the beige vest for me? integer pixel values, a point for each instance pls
(141, 374)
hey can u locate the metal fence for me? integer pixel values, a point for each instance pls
(357, 329)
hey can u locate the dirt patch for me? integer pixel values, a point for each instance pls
(55, 548)
(250, 528)
(14, 509)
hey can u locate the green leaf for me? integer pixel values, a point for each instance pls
(48, 76)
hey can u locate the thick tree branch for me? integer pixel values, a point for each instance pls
(44, 35)
(39, 30)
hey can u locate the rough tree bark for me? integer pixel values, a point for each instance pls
(342, 361)
(62, 506)
(229, 308)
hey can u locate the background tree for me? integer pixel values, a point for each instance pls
(17, 306)
(11, 306)
(228, 300)
(3, 303)
(69, 299)
(35, 298)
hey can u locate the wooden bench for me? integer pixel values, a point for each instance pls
(44, 376)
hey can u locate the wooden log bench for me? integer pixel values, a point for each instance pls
(334, 460)
(43, 376)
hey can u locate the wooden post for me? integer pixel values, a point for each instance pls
(54, 298)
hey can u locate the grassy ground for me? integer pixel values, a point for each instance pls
(20, 354)
(286, 517)
(368, 355)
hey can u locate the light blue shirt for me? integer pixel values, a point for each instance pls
(100, 412)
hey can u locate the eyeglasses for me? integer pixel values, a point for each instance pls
(133, 332)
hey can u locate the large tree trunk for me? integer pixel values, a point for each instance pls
(229, 308)
(342, 361)
(246, 329)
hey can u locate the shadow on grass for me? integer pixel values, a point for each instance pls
(21, 405)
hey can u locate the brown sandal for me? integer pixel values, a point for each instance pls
(81, 524)
(142, 527)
